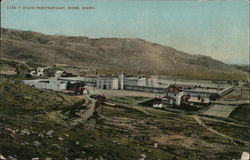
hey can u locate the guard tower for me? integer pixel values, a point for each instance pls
(120, 81)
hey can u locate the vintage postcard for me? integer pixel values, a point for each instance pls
(124, 80)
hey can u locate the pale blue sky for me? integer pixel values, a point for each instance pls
(217, 28)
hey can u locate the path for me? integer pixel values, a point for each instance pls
(200, 122)
(86, 115)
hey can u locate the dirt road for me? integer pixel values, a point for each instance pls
(200, 122)
(86, 115)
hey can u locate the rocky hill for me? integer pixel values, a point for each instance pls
(105, 53)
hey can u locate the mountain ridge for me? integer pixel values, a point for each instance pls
(104, 53)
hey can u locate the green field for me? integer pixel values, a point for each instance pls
(241, 113)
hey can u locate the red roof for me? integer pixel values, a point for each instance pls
(173, 89)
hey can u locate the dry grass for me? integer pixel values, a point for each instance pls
(238, 94)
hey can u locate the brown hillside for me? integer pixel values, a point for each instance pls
(105, 53)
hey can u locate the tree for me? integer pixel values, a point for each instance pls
(22, 70)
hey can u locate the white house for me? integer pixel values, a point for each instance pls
(39, 71)
(85, 91)
(173, 95)
(157, 105)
